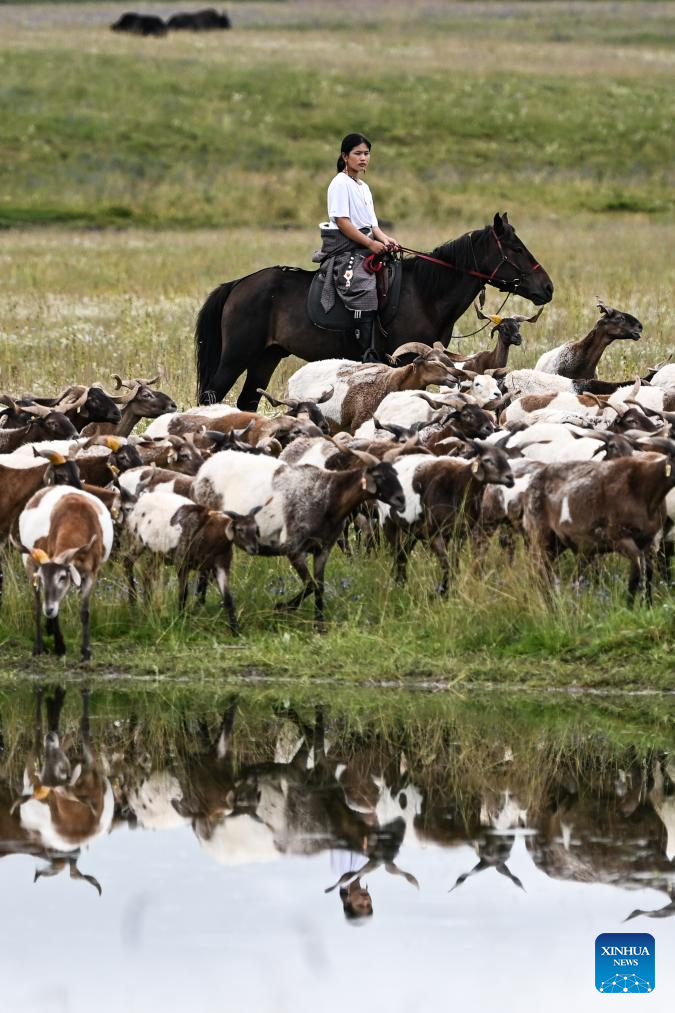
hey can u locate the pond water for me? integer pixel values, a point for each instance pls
(163, 852)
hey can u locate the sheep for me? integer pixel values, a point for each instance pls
(194, 537)
(579, 359)
(142, 402)
(66, 535)
(442, 501)
(601, 507)
(46, 424)
(359, 388)
(304, 507)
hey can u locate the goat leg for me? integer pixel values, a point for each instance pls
(299, 564)
(131, 579)
(320, 561)
(183, 579)
(223, 581)
(202, 585)
(627, 547)
(440, 549)
(87, 586)
(38, 643)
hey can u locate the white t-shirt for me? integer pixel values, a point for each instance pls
(348, 198)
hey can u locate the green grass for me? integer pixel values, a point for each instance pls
(245, 130)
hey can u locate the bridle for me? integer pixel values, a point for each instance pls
(489, 279)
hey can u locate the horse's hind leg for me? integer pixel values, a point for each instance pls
(258, 375)
(223, 380)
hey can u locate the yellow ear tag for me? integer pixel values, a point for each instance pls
(41, 793)
(669, 469)
(55, 458)
(496, 319)
(113, 443)
(475, 465)
(39, 556)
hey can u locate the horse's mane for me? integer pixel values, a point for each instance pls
(431, 280)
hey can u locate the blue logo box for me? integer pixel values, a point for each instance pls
(624, 962)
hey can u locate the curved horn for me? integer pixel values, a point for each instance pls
(292, 403)
(72, 398)
(479, 312)
(368, 459)
(326, 396)
(40, 410)
(50, 455)
(529, 320)
(6, 400)
(416, 347)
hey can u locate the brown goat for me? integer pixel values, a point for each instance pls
(601, 507)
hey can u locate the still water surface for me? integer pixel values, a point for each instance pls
(156, 858)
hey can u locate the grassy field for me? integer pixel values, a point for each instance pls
(546, 106)
(559, 112)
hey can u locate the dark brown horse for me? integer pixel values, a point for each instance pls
(251, 324)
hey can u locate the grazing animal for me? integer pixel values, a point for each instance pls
(194, 537)
(251, 324)
(142, 402)
(140, 24)
(304, 507)
(442, 504)
(508, 334)
(199, 21)
(578, 360)
(46, 425)
(66, 536)
(20, 478)
(602, 507)
(358, 389)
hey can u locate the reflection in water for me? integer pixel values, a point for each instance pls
(304, 784)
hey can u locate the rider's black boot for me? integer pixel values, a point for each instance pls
(366, 337)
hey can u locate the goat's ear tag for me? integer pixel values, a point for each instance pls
(39, 556)
(55, 458)
(669, 469)
(475, 465)
(40, 792)
(496, 319)
(364, 482)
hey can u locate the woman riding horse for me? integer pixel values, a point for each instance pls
(350, 234)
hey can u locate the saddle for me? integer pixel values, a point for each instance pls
(339, 318)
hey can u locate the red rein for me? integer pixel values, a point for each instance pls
(373, 262)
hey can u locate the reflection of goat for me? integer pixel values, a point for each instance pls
(62, 807)
(494, 847)
(618, 835)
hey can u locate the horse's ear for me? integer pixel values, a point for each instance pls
(497, 224)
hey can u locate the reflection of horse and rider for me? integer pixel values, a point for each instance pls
(364, 301)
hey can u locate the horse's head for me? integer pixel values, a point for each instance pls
(512, 266)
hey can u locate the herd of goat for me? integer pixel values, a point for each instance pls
(553, 454)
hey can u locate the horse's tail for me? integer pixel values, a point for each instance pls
(208, 342)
